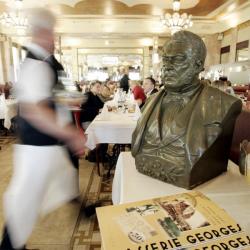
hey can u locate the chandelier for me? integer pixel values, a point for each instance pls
(176, 22)
(16, 18)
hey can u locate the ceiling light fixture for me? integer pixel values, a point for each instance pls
(15, 19)
(176, 22)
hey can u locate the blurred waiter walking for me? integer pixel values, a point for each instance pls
(43, 176)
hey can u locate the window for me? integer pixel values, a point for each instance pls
(134, 73)
(97, 74)
(242, 51)
(224, 55)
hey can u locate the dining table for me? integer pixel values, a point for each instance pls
(114, 125)
(10, 111)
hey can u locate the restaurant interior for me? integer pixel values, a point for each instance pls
(97, 43)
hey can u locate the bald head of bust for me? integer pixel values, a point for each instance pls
(183, 59)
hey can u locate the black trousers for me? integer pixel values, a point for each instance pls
(6, 242)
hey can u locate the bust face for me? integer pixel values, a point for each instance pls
(178, 68)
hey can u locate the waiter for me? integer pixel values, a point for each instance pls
(124, 82)
(43, 174)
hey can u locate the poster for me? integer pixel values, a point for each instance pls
(183, 221)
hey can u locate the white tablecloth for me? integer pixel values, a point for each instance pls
(229, 190)
(9, 111)
(110, 127)
(2, 106)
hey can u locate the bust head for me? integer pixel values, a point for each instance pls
(183, 59)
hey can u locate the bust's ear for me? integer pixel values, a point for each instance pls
(199, 65)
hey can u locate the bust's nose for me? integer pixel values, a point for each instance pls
(168, 67)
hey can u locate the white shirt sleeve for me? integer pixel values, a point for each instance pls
(35, 81)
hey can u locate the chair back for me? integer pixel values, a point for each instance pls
(241, 132)
(76, 115)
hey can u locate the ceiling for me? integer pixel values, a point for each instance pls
(130, 23)
(122, 7)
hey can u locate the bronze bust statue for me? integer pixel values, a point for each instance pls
(184, 134)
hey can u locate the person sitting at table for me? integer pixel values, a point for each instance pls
(105, 94)
(5, 89)
(226, 85)
(91, 105)
(138, 92)
(84, 87)
(77, 85)
(90, 109)
(229, 89)
(149, 86)
(112, 86)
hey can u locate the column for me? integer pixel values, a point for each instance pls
(146, 62)
(213, 50)
(249, 50)
(234, 35)
(75, 73)
(155, 59)
(85, 66)
(3, 75)
(60, 48)
(8, 60)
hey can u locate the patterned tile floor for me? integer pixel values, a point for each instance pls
(6, 141)
(67, 227)
(87, 235)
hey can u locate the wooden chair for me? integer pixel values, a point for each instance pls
(248, 95)
(241, 132)
(76, 116)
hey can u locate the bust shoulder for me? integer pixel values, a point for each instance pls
(216, 94)
(217, 103)
(152, 98)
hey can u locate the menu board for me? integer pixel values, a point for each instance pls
(184, 221)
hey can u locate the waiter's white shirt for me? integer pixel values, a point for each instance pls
(36, 77)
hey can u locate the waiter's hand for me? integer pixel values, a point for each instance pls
(77, 143)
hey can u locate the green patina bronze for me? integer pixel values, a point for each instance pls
(184, 134)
